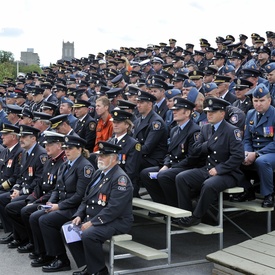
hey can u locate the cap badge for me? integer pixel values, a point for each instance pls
(169, 92)
(239, 81)
(21, 129)
(66, 139)
(210, 102)
(194, 72)
(139, 92)
(115, 114)
(100, 145)
(175, 101)
(260, 90)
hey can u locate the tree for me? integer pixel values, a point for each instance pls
(6, 57)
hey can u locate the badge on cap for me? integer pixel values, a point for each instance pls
(100, 145)
(210, 102)
(139, 92)
(66, 139)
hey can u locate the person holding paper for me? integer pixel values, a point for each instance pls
(106, 210)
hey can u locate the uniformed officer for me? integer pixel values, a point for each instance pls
(162, 187)
(10, 157)
(38, 99)
(66, 107)
(157, 87)
(150, 130)
(130, 153)
(32, 160)
(42, 122)
(85, 126)
(72, 179)
(259, 146)
(20, 211)
(9, 166)
(243, 101)
(61, 125)
(106, 210)
(220, 144)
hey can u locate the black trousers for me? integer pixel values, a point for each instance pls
(163, 189)
(46, 230)
(90, 248)
(13, 211)
(198, 179)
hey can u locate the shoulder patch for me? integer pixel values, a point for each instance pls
(234, 119)
(138, 147)
(122, 181)
(92, 126)
(156, 125)
(238, 134)
(43, 158)
(88, 171)
(196, 136)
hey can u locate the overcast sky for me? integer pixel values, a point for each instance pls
(96, 26)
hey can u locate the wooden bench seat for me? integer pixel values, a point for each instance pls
(255, 256)
(141, 251)
(201, 228)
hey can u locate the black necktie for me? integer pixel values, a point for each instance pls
(259, 116)
(98, 179)
(213, 129)
(116, 140)
(179, 130)
(68, 166)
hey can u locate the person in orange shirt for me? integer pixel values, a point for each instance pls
(104, 128)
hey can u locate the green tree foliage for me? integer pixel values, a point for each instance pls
(8, 66)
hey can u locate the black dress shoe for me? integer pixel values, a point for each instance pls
(247, 195)
(7, 239)
(82, 272)
(41, 261)
(189, 221)
(57, 265)
(33, 255)
(268, 201)
(26, 248)
(15, 244)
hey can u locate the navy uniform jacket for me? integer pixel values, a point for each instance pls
(162, 110)
(235, 116)
(71, 185)
(245, 106)
(36, 107)
(129, 156)
(180, 150)
(42, 191)
(230, 97)
(260, 136)
(52, 98)
(10, 163)
(222, 150)
(31, 170)
(152, 134)
(86, 129)
(109, 201)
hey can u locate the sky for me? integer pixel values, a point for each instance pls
(96, 26)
